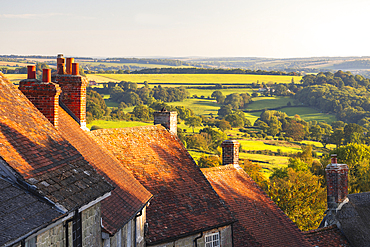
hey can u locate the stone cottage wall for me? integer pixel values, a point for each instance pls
(225, 235)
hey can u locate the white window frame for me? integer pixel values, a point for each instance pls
(212, 240)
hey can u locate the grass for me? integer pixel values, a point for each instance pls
(285, 147)
(208, 92)
(260, 103)
(200, 78)
(116, 124)
(199, 106)
(309, 114)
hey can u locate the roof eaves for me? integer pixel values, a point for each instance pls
(191, 233)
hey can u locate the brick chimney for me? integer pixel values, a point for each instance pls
(167, 119)
(44, 95)
(73, 96)
(230, 153)
(337, 182)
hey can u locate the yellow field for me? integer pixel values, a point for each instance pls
(14, 64)
(197, 78)
(15, 78)
(100, 78)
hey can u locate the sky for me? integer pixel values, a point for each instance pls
(179, 28)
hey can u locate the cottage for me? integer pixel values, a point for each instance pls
(50, 195)
(123, 213)
(185, 210)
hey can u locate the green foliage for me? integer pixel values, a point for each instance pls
(357, 157)
(209, 161)
(142, 112)
(301, 196)
(198, 141)
(95, 106)
(193, 121)
(217, 137)
(255, 172)
(342, 93)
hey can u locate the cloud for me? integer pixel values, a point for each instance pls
(31, 16)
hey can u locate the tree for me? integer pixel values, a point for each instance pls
(353, 133)
(255, 172)
(223, 125)
(193, 121)
(337, 137)
(357, 157)
(295, 130)
(301, 197)
(141, 112)
(225, 110)
(209, 161)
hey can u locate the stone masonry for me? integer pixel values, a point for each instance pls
(225, 237)
(167, 119)
(91, 226)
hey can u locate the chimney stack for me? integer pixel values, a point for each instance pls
(337, 182)
(167, 119)
(230, 153)
(73, 87)
(44, 95)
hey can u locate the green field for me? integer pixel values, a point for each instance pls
(115, 124)
(199, 106)
(208, 92)
(200, 78)
(260, 103)
(142, 65)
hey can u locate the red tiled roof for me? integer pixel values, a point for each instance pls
(184, 203)
(128, 197)
(31, 146)
(260, 221)
(327, 237)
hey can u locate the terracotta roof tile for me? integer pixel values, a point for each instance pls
(32, 146)
(327, 237)
(128, 197)
(260, 221)
(184, 203)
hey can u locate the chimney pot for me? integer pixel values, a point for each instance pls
(75, 69)
(70, 60)
(46, 75)
(60, 64)
(334, 159)
(31, 72)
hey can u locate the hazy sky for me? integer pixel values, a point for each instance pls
(212, 28)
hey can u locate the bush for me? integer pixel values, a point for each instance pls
(95, 127)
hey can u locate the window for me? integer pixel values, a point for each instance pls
(213, 240)
(31, 242)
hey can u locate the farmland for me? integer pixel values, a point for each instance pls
(199, 79)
